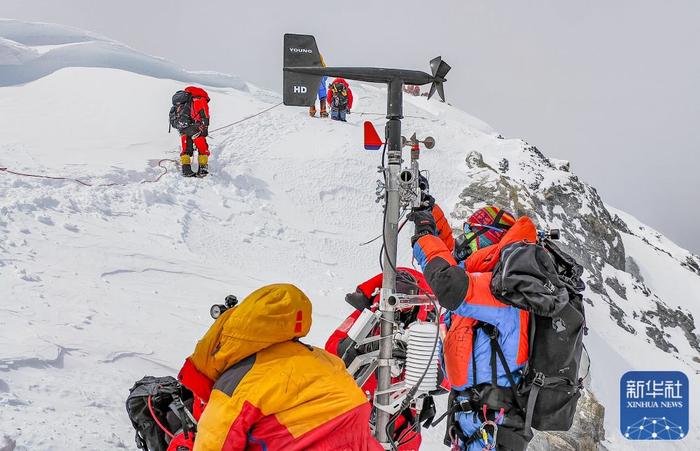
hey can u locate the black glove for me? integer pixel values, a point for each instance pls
(462, 249)
(358, 300)
(427, 201)
(425, 224)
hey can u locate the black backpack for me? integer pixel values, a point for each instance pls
(544, 280)
(339, 98)
(181, 111)
(153, 400)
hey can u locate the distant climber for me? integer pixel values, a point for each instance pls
(413, 90)
(322, 93)
(339, 99)
(265, 389)
(190, 116)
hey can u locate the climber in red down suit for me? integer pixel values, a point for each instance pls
(196, 134)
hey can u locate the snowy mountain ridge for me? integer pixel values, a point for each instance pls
(102, 285)
(29, 51)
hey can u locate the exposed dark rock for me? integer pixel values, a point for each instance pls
(564, 166)
(540, 156)
(503, 165)
(621, 225)
(659, 339)
(475, 160)
(692, 263)
(631, 267)
(617, 287)
(674, 318)
(619, 316)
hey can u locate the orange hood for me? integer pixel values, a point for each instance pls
(270, 315)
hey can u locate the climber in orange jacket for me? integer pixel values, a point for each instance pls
(266, 390)
(460, 276)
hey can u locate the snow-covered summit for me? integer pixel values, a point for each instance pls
(102, 285)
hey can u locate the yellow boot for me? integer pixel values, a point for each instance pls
(203, 161)
(186, 163)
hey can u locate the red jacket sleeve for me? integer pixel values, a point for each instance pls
(443, 227)
(349, 99)
(195, 380)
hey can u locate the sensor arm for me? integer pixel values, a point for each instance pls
(369, 74)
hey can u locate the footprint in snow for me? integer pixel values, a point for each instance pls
(45, 220)
(27, 276)
(71, 227)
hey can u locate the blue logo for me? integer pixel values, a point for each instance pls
(654, 405)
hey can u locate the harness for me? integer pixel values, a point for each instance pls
(482, 398)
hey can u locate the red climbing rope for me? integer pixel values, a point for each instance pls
(155, 417)
(71, 179)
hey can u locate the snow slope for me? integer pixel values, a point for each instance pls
(101, 285)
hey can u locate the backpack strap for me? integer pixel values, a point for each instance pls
(540, 381)
(474, 334)
(496, 350)
(531, 400)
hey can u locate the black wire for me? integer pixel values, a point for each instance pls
(414, 389)
(381, 252)
(403, 438)
(371, 241)
(384, 252)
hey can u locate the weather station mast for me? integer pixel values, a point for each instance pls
(302, 74)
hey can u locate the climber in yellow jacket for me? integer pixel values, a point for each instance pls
(265, 390)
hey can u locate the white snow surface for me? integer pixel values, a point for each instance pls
(102, 285)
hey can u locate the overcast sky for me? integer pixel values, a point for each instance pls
(611, 85)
